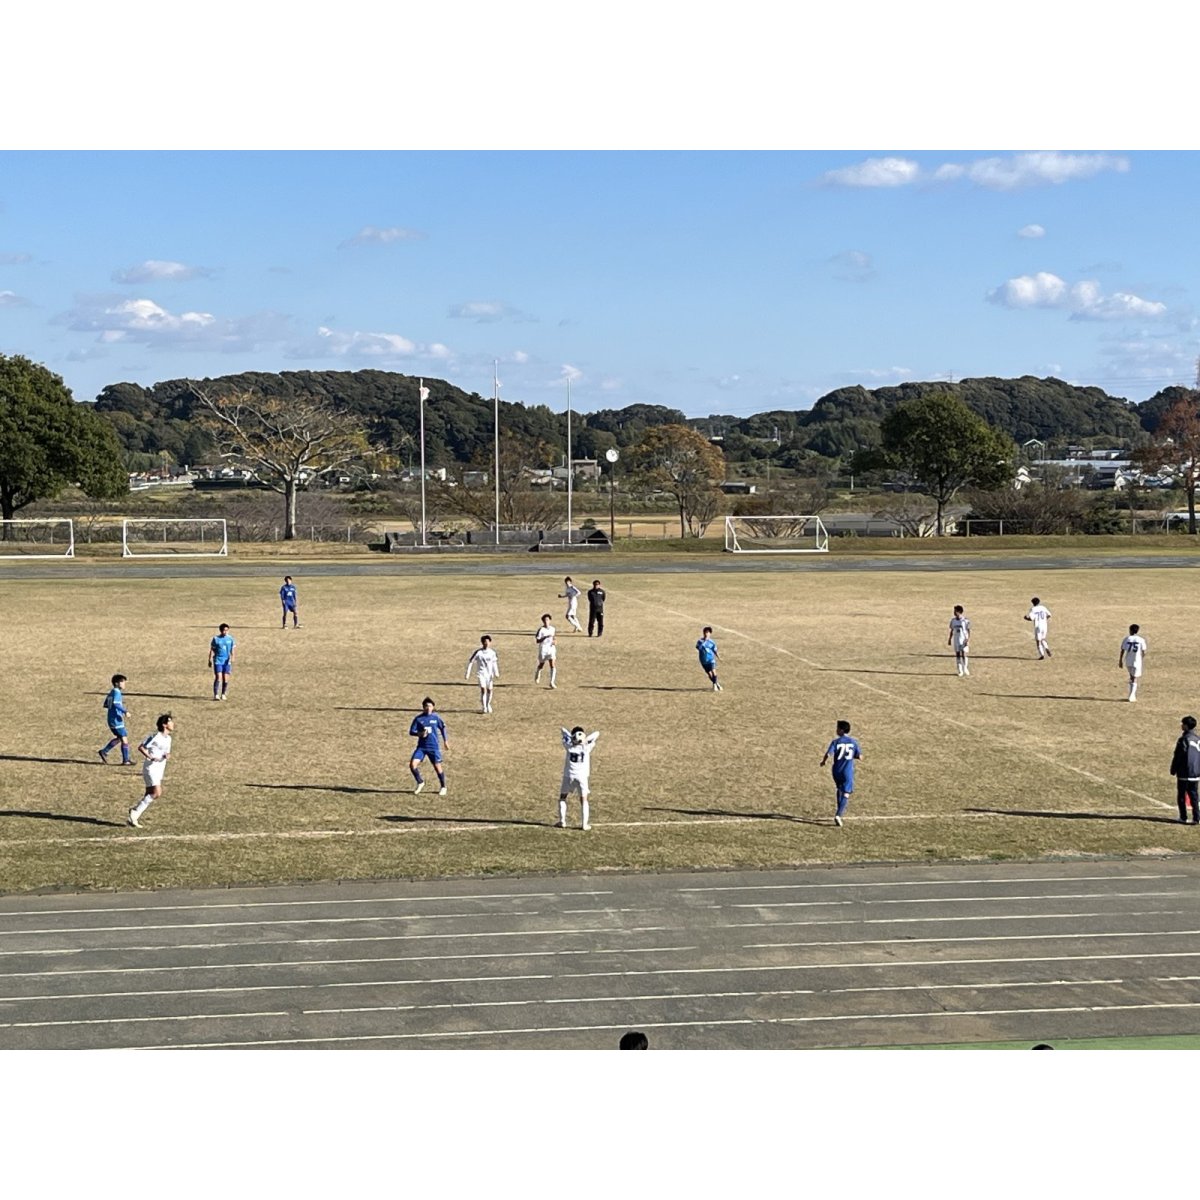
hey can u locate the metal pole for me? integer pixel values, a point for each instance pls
(496, 414)
(421, 394)
(570, 472)
(612, 526)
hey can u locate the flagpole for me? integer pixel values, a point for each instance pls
(421, 394)
(496, 414)
(570, 473)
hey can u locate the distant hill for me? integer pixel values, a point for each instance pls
(459, 425)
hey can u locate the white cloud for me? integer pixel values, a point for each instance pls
(1084, 301)
(854, 266)
(142, 321)
(574, 374)
(877, 374)
(364, 346)
(875, 173)
(155, 270)
(86, 354)
(519, 356)
(1031, 231)
(728, 382)
(999, 173)
(12, 300)
(372, 235)
(14, 260)
(485, 311)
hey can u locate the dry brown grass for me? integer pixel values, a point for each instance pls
(302, 773)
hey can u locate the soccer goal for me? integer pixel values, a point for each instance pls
(46, 537)
(776, 535)
(167, 537)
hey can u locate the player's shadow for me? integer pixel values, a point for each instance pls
(877, 671)
(152, 696)
(732, 812)
(1073, 816)
(629, 687)
(446, 712)
(49, 816)
(68, 762)
(320, 787)
(440, 819)
(983, 657)
(1030, 696)
(510, 633)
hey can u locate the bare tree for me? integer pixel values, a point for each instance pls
(1176, 444)
(917, 515)
(283, 439)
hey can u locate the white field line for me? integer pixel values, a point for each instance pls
(974, 730)
(543, 1001)
(260, 922)
(790, 887)
(544, 1031)
(993, 937)
(414, 830)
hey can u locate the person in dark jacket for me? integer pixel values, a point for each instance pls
(595, 598)
(1185, 766)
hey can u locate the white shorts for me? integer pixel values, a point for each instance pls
(961, 647)
(152, 773)
(571, 784)
(572, 609)
(486, 679)
(1134, 672)
(1040, 631)
(546, 653)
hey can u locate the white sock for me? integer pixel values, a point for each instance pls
(553, 674)
(562, 812)
(144, 804)
(583, 804)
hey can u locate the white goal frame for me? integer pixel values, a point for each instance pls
(69, 544)
(803, 526)
(222, 538)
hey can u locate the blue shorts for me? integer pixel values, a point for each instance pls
(435, 755)
(223, 668)
(844, 784)
(708, 664)
(118, 731)
(289, 608)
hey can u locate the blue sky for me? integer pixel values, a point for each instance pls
(708, 277)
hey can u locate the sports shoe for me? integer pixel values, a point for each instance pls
(418, 788)
(441, 791)
(103, 756)
(966, 672)
(560, 825)
(1048, 654)
(224, 697)
(554, 685)
(133, 819)
(585, 828)
(838, 822)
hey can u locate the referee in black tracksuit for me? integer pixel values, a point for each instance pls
(596, 609)
(1185, 766)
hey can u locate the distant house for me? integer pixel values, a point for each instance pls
(738, 487)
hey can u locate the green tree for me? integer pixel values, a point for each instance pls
(48, 442)
(942, 446)
(284, 440)
(1176, 444)
(685, 464)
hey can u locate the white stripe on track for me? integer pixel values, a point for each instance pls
(955, 899)
(996, 937)
(789, 887)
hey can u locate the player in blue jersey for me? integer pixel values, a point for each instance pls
(707, 649)
(426, 728)
(287, 597)
(116, 712)
(844, 751)
(220, 659)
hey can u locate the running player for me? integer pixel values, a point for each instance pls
(577, 767)
(155, 750)
(960, 637)
(1132, 653)
(287, 597)
(487, 668)
(114, 706)
(709, 657)
(844, 751)
(1039, 614)
(571, 596)
(220, 659)
(425, 728)
(547, 648)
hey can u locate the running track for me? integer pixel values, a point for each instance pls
(766, 960)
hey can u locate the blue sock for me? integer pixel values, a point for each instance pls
(416, 774)
(441, 779)
(843, 800)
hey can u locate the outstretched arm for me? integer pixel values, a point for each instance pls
(591, 738)
(566, 736)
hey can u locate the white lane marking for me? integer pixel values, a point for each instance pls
(889, 883)
(996, 937)
(953, 900)
(976, 730)
(449, 899)
(336, 962)
(544, 1031)
(140, 1020)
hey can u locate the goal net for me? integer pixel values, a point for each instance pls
(37, 538)
(164, 537)
(776, 535)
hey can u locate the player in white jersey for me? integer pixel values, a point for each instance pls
(571, 596)
(1039, 614)
(155, 750)
(487, 669)
(1131, 657)
(547, 651)
(577, 767)
(960, 639)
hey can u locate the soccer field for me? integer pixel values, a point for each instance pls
(303, 773)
